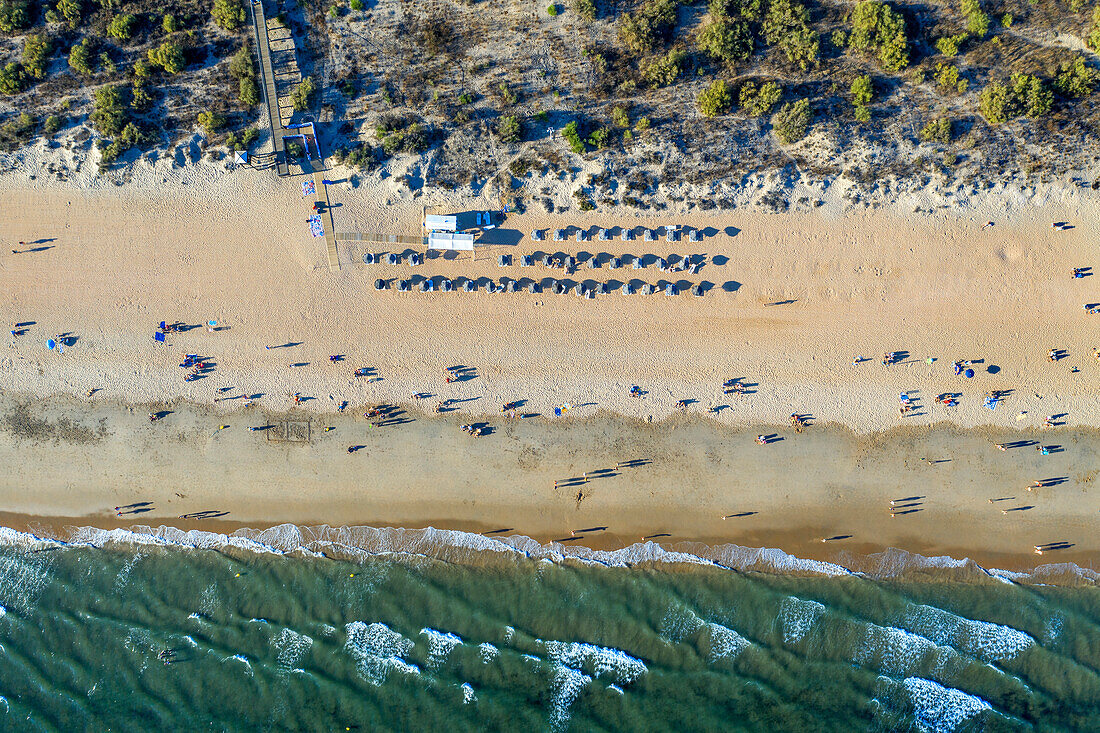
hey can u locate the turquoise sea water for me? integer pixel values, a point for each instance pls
(263, 641)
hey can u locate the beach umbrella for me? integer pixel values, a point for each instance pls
(379, 284)
(51, 344)
(968, 373)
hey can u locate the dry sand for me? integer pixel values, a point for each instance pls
(235, 248)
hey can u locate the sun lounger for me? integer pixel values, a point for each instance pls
(445, 285)
(670, 289)
(602, 288)
(626, 235)
(510, 286)
(427, 286)
(416, 259)
(670, 233)
(649, 235)
(604, 235)
(628, 289)
(581, 236)
(533, 288)
(536, 235)
(637, 263)
(697, 291)
(526, 261)
(469, 286)
(403, 286)
(504, 261)
(593, 262)
(694, 235)
(559, 235)
(662, 265)
(379, 284)
(647, 289)
(392, 259)
(579, 290)
(368, 259)
(615, 263)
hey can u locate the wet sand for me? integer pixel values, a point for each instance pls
(71, 461)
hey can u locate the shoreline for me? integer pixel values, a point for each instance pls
(83, 458)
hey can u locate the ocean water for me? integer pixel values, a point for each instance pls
(263, 637)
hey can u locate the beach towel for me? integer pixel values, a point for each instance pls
(316, 228)
(309, 188)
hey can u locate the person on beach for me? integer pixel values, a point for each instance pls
(761, 440)
(1001, 446)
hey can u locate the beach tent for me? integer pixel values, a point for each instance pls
(452, 241)
(438, 223)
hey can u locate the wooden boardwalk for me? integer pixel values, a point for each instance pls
(271, 93)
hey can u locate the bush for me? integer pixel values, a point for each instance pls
(507, 94)
(1026, 95)
(949, 45)
(357, 5)
(716, 99)
(727, 41)
(248, 92)
(71, 10)
(302, 94)
(122, 27)
(584, 8)
(17, 131)
(758, 102)
(228, 14)
(787, 25)
(109, 114)
(1074, 79)
(573, 137)
(600, 138)
(947, 77)
(553, 11)
(11, 79)
(977, 22)
(243, 70)
(36, 52)
(664, 70)
(938, 130)
(51, 125)
(1093, 39)
(792, 121)
(130, 136)
(402, 134)
(620, 117)
(643, 30)
(169, 57)
(876, 28)
(210, 122)
(81, 59)
(862, 93)
(14, 15)
(170, 23)
(642, 124)
(509, 129)
(140, 98)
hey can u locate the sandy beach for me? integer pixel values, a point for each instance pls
(793, 299)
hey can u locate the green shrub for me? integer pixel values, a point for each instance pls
(14, 15)
(109, 114)
(170, 23)
(17, 131)
(620, 117)
(1007, 20)
(949, 45)
(792, 121)
(642, 124)
(649, 26)
(552, 10)
(122, 27)
(663, 70)
(36, 53)
(878, 29)
(938, 130)
(977, 22)
(1074, 79)
(584, 8)
(140, 97)
(80, 58)
(169, 57)
(1093, 39)
(600, 138)
(302, 94)
(947, 78)
(357, 5)
(509, 129)
(584, 202)
(210, 122)
(242, 68)
(130, 136)
(11, 79)
(71, 10)
(862, 92)
(716, 99)
(787, 25)
(726, 40)
(51, 125)
(573, 137)
(507, 94)
(248, 92)
(758, 102)
(228, 14)
(1025, 95)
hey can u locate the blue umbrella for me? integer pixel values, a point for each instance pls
(969, 373)
(51, 344)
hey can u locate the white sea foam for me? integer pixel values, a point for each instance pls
(195, 617)
(725, 643)
(240, 658)
(509, 632)
(1053, 629)
(22, 578)
(897, 651)
(797, 617)
(980, 639)
(377, 649)
(488, 652)
(598, 660)
(678, 624)
(940, 709)
(123, 576)
(468, 694)
(361, 543)
(566, 685)
(440, 644)
(327, 631)
(290, 648)
(616, 688)
(3, 612)
(7, 706)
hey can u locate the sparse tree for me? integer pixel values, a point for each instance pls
(716, 99)
(792, 121)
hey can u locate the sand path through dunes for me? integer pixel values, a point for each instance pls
(236, 250)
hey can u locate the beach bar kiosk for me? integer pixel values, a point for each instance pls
(440, 223)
